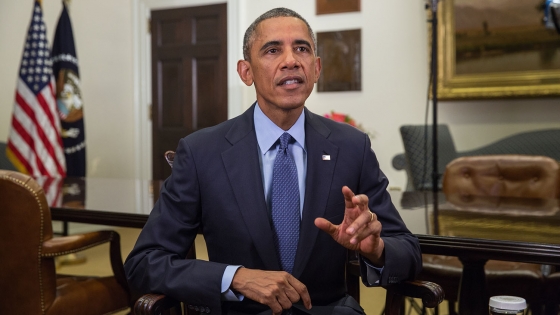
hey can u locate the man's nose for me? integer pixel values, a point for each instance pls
(290, 60)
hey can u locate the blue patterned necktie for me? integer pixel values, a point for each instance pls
(285, 204)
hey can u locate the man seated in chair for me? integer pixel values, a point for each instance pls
(262, 186)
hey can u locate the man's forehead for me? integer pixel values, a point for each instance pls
(267, 27)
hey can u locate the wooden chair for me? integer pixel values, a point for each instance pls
(28, 277)
(496, 176)
(430, 293)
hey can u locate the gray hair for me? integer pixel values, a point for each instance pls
(277, 12)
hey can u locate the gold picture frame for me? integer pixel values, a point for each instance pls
(495, 61)
(337, 6)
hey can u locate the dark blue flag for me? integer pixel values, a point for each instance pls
(69, 97)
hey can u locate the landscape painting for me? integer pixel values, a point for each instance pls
(503, 36)
(496, 49)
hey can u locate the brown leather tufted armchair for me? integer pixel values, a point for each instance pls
(430, 293)
(28, 278)
(496, 176)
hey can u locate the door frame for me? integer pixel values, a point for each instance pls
(141, 10)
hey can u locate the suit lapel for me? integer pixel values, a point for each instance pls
(317, 185)
(242, 166)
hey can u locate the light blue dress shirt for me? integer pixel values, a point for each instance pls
(268, 134)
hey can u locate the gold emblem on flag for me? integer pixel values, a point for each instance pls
(69, 97)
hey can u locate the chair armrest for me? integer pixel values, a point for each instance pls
(154, 304)
(430, 293)
(399, 162)
(64, 245)
(74, 243)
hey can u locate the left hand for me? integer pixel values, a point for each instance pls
(360, 230)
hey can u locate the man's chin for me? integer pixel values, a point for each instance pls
(293, 102)
(292, 107)
(287, 103)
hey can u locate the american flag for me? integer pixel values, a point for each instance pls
(34, 143)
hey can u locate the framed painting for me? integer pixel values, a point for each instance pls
(496, 49)
(341, 58)
(337, 6)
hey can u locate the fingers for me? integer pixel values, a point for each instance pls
(301, 289)
(357, 211)
(351, 200)
(286, 297)
(361, 222)
(372, 228)
(276, 289)
(348, 197)
(291, 293)
(325, 225)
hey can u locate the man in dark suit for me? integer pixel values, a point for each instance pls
(223, 183)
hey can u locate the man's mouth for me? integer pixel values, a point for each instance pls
(290, 80)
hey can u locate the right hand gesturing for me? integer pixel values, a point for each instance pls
(277, 289)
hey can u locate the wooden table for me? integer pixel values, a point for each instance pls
(473, 229)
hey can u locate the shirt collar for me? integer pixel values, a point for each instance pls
(268, 132)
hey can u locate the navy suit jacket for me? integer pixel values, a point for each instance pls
(216, 185)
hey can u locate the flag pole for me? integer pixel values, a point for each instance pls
(435, 171)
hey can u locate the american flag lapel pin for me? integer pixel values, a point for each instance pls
(326, 157)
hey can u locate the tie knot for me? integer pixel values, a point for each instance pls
(284, 140)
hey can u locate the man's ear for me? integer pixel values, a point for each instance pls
(317, 68)
(244, 71)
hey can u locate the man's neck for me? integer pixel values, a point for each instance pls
(283, 118)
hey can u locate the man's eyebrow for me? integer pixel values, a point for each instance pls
(302, 42)
(277, 43)
(270, 43)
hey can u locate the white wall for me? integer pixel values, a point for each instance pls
(394, 70)
(394, 78)
(473, 124)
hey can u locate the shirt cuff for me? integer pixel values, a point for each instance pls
(227, 278)
(373, 273)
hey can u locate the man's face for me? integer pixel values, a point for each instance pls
(283, 65)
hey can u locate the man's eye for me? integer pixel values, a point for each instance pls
(302, 49)
(272, 51)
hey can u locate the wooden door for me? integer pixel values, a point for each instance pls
(189, 76)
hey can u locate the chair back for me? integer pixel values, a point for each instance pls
(417, 141)
(27, 280)
(503, 176)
